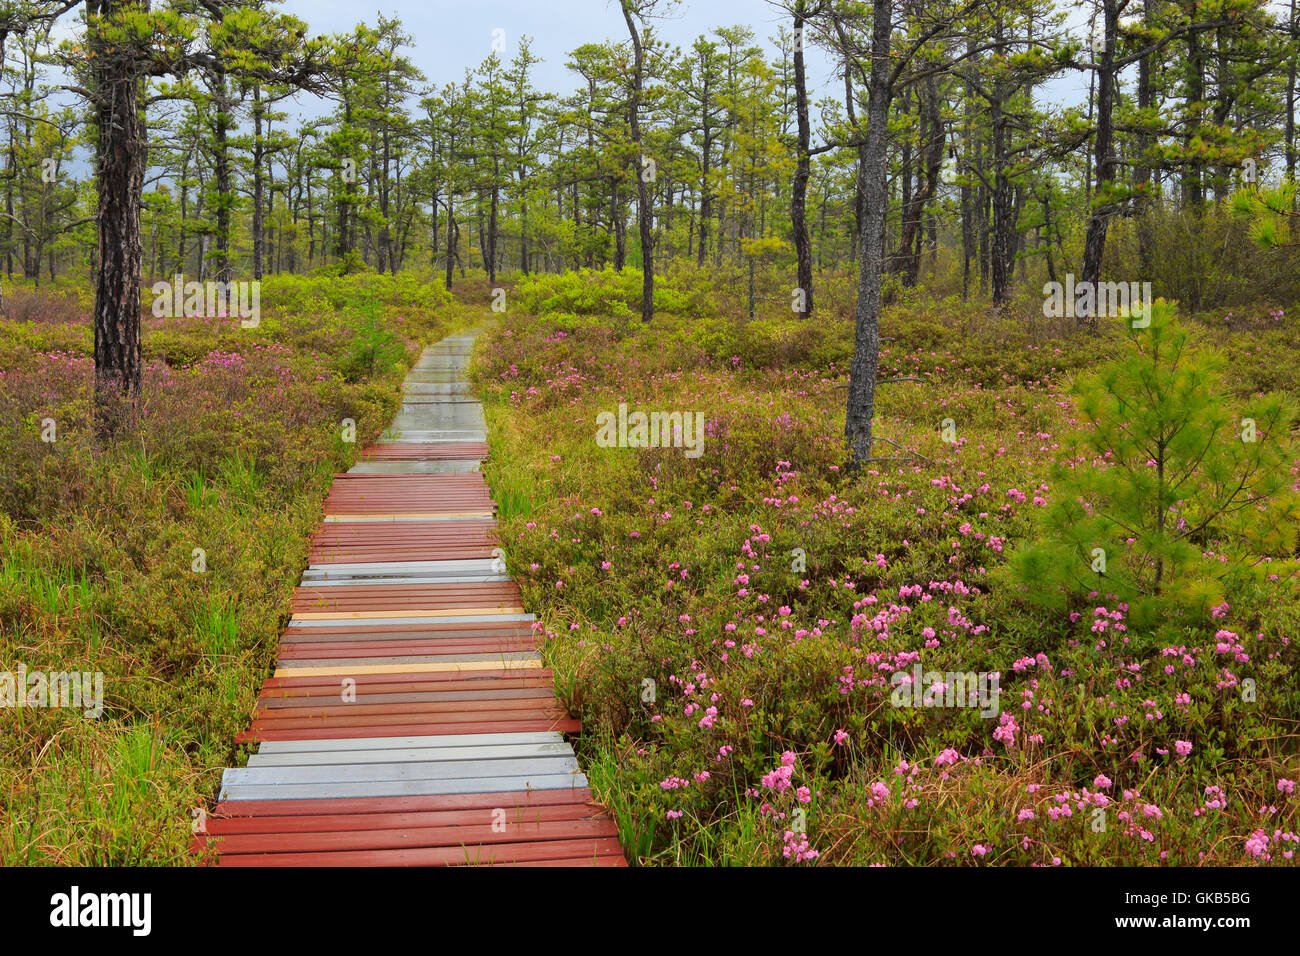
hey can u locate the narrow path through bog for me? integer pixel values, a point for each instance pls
(410, 720)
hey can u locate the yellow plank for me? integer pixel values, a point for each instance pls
(406, 668)
(359, 615)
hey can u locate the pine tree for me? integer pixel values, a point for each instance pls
(1270, 211)
(1167, 495)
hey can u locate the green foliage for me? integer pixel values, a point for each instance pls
(374, 347)
(1206, 262)
(1167, 493)
(404, 292)
(595, 292)
(1271, 212)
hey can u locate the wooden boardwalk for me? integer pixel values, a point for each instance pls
(409, 720)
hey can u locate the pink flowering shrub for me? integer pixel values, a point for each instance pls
(776, 606)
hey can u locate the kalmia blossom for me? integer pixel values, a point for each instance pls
(798, 847)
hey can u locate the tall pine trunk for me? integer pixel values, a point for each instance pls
(259, 223)
(1094, 241)
(799, 187)
(860, 410)
(1142, 168)
(644, 213)
(121, 151)
(1290, 138)
(221, 173)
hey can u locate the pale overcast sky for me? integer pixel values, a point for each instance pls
(451, 35)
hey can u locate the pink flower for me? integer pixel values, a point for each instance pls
(1102, 781)
(1184, 747)
(840, 737)
(1006, 733)
(796, 845)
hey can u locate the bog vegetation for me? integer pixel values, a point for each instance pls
(913, 472)
(733, 630)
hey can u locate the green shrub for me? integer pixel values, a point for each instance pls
(1167, 493)
(374, 347)
(606, 292)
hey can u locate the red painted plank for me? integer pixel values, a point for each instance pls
(455, 538)
(509, 693)
(427, 451)
(276, 695)
(483, 834)
(326, 822)
(397, 631)
(574, 861)
(541, 674)
(380, 597)
(311, 652)
(434, 709)
(437, 856)
(410, 494)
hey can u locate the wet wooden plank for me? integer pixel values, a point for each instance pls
(326, 822)
(411, 755)
(439, 856)
(510, 800)
(403, 771)
(423, 451)
(523, 680)
(359, 670)
(380, 788)
(302, 716)
(374, 680)
(447, 748)
(411, 837)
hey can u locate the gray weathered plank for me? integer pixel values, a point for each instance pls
(415, 770)
(423, 755)
(403, 788)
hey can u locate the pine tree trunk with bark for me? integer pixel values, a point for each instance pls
(121, 156)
